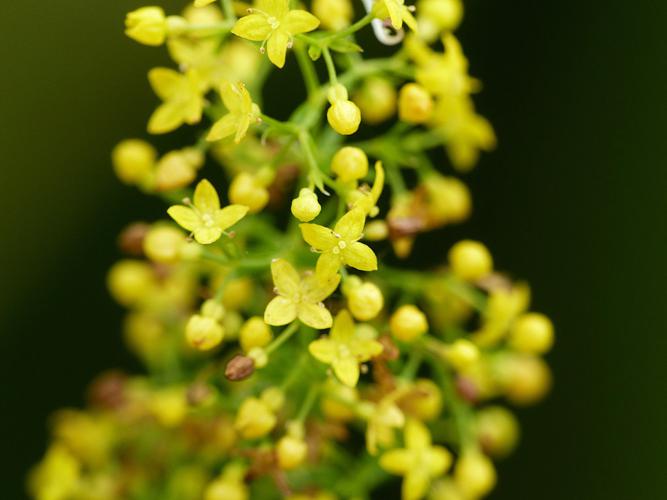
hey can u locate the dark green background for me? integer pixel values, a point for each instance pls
(573, 200)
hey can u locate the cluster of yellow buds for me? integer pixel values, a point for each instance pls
(284, 357)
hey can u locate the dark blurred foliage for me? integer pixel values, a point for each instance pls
(573, 200)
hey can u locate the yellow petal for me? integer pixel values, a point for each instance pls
(224, 127)
(319, 237)
(206, 197)
(184, 217)
(253, 27)
(365, 349)
(299, 21)
(417, 436)
(415, 484)
(319, 286)
(360, 256)
(277, 47)
(229, 216)
(315, 315)
(231, 96)
(280, 311)
(397, 461)
(343, 327)
(438, 460)
(409, 19)
(351, 225)
(328, 264)
(395, 13)
(347, 370)
(275, 8)
(242, 127)
(166, 82)
(285, 278)
(167, 117)
(207, 235)
(323, 350)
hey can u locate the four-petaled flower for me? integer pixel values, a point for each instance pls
(273, 24)
(300, 298)
(340, 245)
(242, 112)
(343, 350)
(205, 219)
(397, 12)
(419, 462)
(182, 96)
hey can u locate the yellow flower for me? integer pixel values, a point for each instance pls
(419, 462)
(205, 218)
(242, 112)
(254, 419)
(343, 350)
(273, 24)
(147, 25)
(397, 12)
(383, 417)
(182, 96)
(340, 245)
(300, 298)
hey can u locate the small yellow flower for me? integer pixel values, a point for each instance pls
(254, 419)
(205, 218)
(397, 12)
(419, 462)
(182, 96)
(300, 298)
(383, 418)
(273, 24)
(340, 245)
(242, 112)
(343, 350)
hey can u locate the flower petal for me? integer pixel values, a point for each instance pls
(397, 461)
(231, 96)
(280, 311)
(415, 484)
(184, 217)
(365, 349)
(320, 285)
(207, 235)
(395, 13)
(319, 237)
(242, 127)
(409, 19)
(166, 83)
(351, 225)
(347, 370)
(328, 264)
(285, 278)
(277, 47)
(360, 256)
(167, 117)
(299, 21)
(224, 127)
(275, 8)
(229, 216)
(343, 327)
(417, 436)
(323, 350)
(439, 460)
(206, 197)
(252, 27)
(315, 315)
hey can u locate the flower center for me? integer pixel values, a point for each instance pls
(207, 219)
(273, 22)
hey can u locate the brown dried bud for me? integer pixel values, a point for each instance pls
(198, 393)
(239, 368)
(108, 390)
(131, 239)
(467, 389)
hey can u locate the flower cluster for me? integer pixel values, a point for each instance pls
(287, 352)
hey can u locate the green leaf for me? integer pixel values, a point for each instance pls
(345, 46)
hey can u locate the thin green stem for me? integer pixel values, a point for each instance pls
(307, 69)
(353, 28)
(331, 67)
(308, 402)
(228, 9)
(283, 337)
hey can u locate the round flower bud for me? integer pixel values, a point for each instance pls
(376, 100)
(470, 260)
(532, 333)
(376, 230)
(259, 356)
(130, 281)
(349, 164)
(237, 293)
(291, 452)
(246, 190)
(497, 430)
(415, 104)
(338, 401)
(254, 419)
(203, 333)
(178, 169)
(436, 16)
(169, 406)
(525, 378)
(305, 207)
(333, 14)
(226, 489)
(213, 309)
(462, 354)
(133, 160)
(163, 244)
(474, 474)
(424, 401)
(255, 333)
(273, 397)
(147, 25)
(344, 117)
(365, 301)
(408, 323)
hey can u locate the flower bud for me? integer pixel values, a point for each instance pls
(273, 397)
(305, 207)
(254, 419)
(376, 100)
(461, 354)
(169, 406)
(163, 244)
(365, 301)
(532, 333)
(343, 115)
(213, 309)
(291, 452)
(350, 164)
(237, 293)
(259, 356)
(425, 401)
(376, 230)
(474, 474)
(246, 190)
(436, 16)
(497, 430)
(408, 323)
(133, 160)
(203, 333)
(415, 104)
(525, 378)
(333, 14)
(239, 368)
(130, 281)
(470, 260)
(255, 333)
(178, 169)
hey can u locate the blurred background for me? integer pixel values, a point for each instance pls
(573, 200)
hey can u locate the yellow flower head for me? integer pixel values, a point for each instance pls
(343, 350)
(242, 112)
(205, 218)
(419, 462)
(397, 12)
(182, 96)
(273, 24)
(383, 418)
(300, 298)
(340, 245)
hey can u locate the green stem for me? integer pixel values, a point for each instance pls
(228, 9)
(331, 67)
(283, 337)
(307, 69)
(308, 402)
(353, 28)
